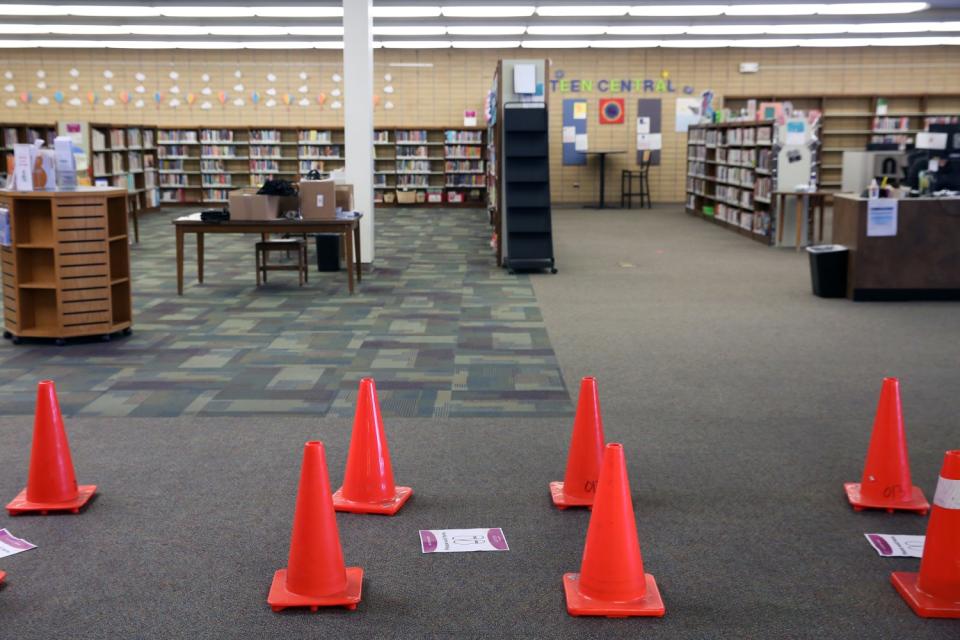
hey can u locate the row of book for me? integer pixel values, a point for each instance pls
(465, 180)
(414, 166)
(463, 166)
(463, 136)
(216, 135)
(460, 151)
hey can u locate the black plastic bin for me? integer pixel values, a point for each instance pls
(328, 251)
(828, 270)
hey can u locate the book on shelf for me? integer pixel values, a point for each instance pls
(473, 137)
(171, 165)
(172, 150)
(408, 151)
(10, 137)
(149, 180)
(149, 142)
(264, 166)
(264, 151)
(173, 195)
(134, 161)
(464, 180)
(216, 135)
(381, 136)
(212, 166)
(217, 180)
(411, 136)
(264, 135)
(463, 166)
(408, 181)
(327, 151)
(174, 180)
(177, 135)
(134, 138)
(116, 162)
(315, 136)
(306, 166)
(216, 195)
(149, 162)
(99, 164)
(413, 166)
(117, 139)
(98, 141)
(460, 151)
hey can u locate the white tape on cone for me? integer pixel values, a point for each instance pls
(948, 493)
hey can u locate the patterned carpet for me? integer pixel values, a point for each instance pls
(443, 332)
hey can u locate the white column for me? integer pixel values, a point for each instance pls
(358, 113)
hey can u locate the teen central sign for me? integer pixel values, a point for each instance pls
(663, 84)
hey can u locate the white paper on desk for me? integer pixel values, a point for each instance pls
(896, 546)
(524, 78)
(881, 217)
(643, 124)
(10, 544)
(649, 141)
(580, 143)
(569, 134)
(461, 540)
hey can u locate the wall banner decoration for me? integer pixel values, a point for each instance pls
(611, 111)
(574, 124)
(649, 136)
(688, 113)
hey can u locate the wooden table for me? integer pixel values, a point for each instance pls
(603, 172)
(344, 226)
(815, 199)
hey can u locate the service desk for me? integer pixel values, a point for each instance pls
(920, 262)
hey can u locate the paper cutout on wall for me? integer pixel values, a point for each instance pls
(41, 85)
(25, 97)
(43, 100)
(109, 102)
(76, 102)
(174, 103)
(271, 77)
(336, 77)
(376, 100)
(107, 73)
(255, 97)
(238, 102)
(108, 87)
(287, 99)
(205, 77)
(58, 96)
(11, 103)
(271, 91)
(271, 102)
(238, 87)
(91, 97)
(303, 88)
(388, 88)
(191, 97)
(336, 104)
(174, 75)
(237, 74)
(8, 75)
(158, 97)
(140, 89)
(335, 93)
(303, 75)
(387, 77)
(304, 102)
(207, 91)
(138, 104)
(139, 77)
(388, 105)
(124, 97)
(9, 88)
(74, 73)
(205, 105)
(174, 89)
(321, 98)
(222, 96)
(74, 86)
(41, 74)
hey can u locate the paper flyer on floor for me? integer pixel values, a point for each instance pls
(896, 546)
(460, 540)
(10, 544)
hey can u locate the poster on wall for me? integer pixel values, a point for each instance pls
(649, 137)
(611, 111)
(688, 113)
(574, 131)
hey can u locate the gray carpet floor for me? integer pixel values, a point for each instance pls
(743, 403)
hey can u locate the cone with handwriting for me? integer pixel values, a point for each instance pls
(368, 485)
(51, 483)
(935, 591)
(886, 480)
(315, 575)
(611, 581)
(579, 484)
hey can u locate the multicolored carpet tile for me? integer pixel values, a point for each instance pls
(442, 330)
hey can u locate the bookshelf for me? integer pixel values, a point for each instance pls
(731, 174)
(178, 155)
(23, 134)
(125, 157)
(850, 122)
(66, 272)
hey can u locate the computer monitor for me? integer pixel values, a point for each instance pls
(943, 140)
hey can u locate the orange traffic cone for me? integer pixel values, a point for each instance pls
(935, 591)
(886, 480)
(368, 483)
(2, 576)
(51, 483)
(586, 452)
(611, 581)
(315, 575)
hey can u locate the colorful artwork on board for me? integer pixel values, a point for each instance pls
(611, 111)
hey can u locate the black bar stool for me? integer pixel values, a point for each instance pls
(642, 177)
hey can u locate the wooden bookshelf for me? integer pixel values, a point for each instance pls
(23, 134)
(66, 272)
(731, 174)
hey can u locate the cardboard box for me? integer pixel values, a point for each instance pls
(318, 199)
(344, 197)
(406, 197)
(246, 204)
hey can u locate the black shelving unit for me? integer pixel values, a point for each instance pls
(527, 223)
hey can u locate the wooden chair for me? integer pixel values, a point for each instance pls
(265, 247)
(643, 183)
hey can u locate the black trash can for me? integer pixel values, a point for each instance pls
(328, 252)
(828, 270)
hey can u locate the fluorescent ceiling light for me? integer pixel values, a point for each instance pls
(728, 29)
(583, 10)
(837, 42)
(248, 31)
(491, 30)
(495, 11)
(892, 27)
(818, 28)
(946, 26)
(33, 10)
(315, 31)
(647, 30)
(678, 10)
(166, 30)
(409, 31)
(555, 44)
(486, 44)
(773, 9)
(909, 41)
(299, 12)
(696, 44)
(584, 30)
(761, 43)
(415, 44)
(207, 12)
(103, 10)
(867, 8)
(405, 12)
(624, 44)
